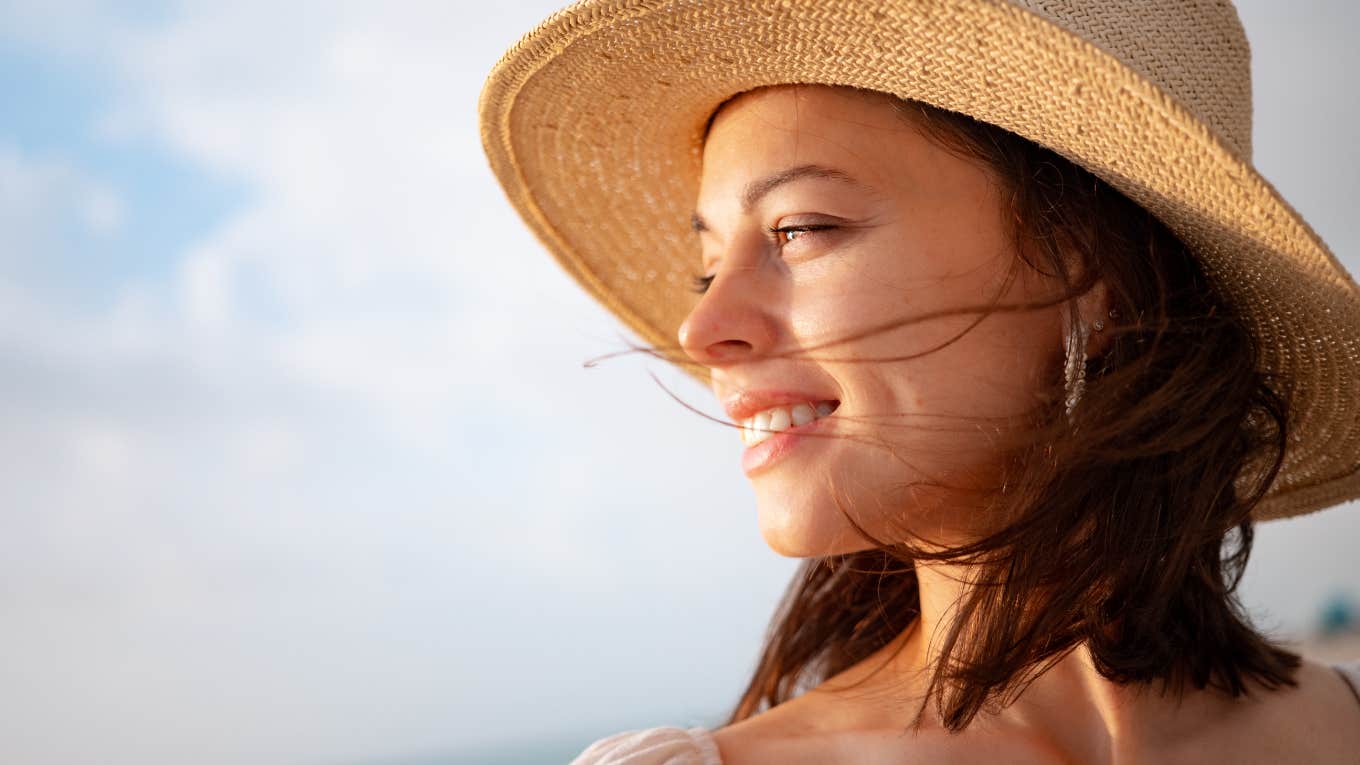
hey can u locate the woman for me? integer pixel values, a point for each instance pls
(1019, 343)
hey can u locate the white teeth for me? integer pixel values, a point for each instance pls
(765, 424)
(760, 428)
(761, 421)
(780, 419)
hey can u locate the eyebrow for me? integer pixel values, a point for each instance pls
(756, 190)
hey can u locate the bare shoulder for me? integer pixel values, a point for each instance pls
(1316, 721)
(763, 736)
(1323, 702)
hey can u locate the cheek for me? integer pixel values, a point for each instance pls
(998, 369)
(942, 413)
(950, 364)
(907, 425)
(923, 357)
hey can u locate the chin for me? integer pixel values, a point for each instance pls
(806, 530)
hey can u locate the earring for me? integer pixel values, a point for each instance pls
(1075, 376)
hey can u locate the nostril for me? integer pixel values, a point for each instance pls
(725, 348)
(733, 329)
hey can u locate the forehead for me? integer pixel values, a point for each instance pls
(786, 117)
(773, 129)
(770, 101)
(862, 135)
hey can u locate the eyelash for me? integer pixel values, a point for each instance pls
(777, 230)
(702, 283)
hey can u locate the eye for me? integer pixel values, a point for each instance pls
(786, 234)
(701, 283)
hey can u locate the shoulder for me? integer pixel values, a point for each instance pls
(1350, 671)
(652, 746)
(1316, 721)
(1328, 693)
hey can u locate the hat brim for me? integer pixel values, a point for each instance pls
(593, 125)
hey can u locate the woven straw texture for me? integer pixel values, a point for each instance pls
(593, 122)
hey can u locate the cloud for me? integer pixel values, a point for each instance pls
(38, 195)
(342, 461)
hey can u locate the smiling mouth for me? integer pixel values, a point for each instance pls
(778, 419)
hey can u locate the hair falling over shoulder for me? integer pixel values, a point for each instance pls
(1128, 527)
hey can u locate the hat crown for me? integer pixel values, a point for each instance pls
(1195, 50)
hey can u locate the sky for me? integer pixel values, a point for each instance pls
(301, 461)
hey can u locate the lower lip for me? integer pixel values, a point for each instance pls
(758, 458)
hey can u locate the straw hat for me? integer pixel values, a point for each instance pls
(593, 125)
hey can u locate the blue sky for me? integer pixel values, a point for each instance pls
(155, 204)
(302, 463)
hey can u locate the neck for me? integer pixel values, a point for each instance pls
(1070, 707)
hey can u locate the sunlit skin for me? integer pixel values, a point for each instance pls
(918, 230)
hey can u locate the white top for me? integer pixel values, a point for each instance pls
(653, 746)
(695, 746)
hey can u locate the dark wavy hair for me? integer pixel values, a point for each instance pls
(1127, 526)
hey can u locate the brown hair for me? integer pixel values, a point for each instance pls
(1129, 522)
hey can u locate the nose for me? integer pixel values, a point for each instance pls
(732, 321)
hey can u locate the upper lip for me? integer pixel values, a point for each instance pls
(743, 404)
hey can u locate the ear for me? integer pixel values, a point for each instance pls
(1092, 307)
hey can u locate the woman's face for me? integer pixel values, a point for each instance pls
(878, 225)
